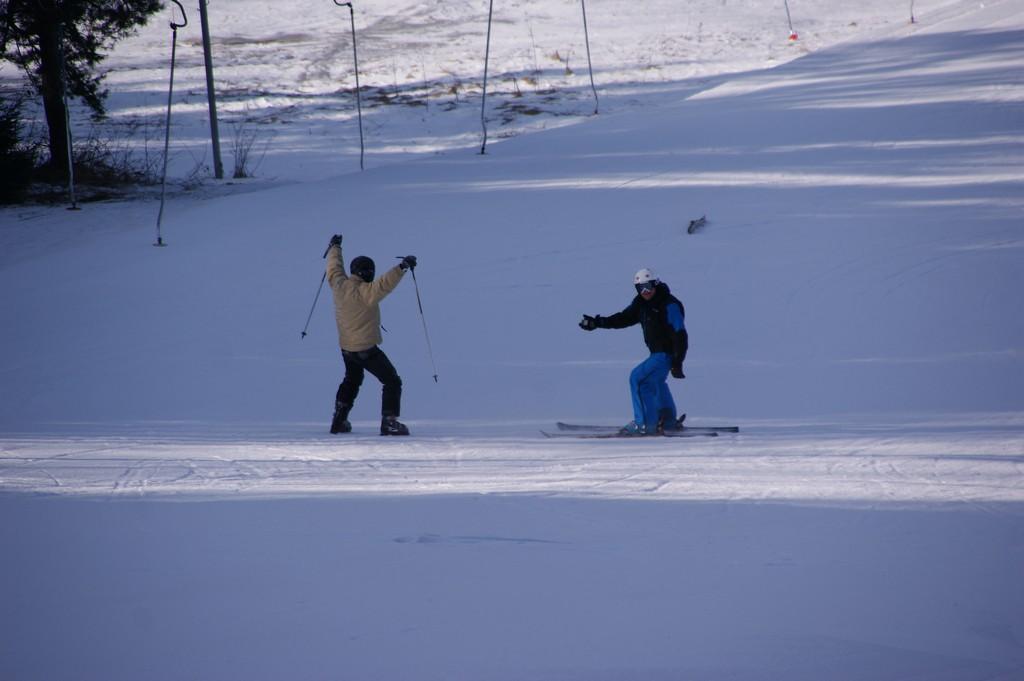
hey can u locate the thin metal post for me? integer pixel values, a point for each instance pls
(167, 126)
(586, 37)
(792, 34)
(483, 101)
(211, 95)
(912, 19)
(359, 96)
(71, 160)
(67, 125)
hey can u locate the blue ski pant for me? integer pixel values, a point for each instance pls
(649, 389)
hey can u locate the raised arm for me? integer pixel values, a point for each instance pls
(619, 320)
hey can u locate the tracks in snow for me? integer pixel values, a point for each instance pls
(943, 466)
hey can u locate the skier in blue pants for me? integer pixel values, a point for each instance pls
(663, 320)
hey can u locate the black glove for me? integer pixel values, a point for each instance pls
(335, 241)
(677, 371)
(589, 323)
(408, 262)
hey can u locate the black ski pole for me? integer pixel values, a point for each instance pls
(423, 318)
(315, 299)
(319, 288)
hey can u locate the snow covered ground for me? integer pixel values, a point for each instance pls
(873, 464)
(506, 587)
(285, 79)
(853, 305)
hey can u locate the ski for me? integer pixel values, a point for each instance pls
(616, 435)
(689, 432)
(580, 427)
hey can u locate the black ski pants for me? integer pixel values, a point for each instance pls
(377, 363)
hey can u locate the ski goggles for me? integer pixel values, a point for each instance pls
(646, 286)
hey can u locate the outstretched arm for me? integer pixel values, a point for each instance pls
(384, 284)
(335, 263)
(619, 320)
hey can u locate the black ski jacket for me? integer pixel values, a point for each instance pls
(663, 320)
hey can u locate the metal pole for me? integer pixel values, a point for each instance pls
(792, 33)
(71, 161)
(306, 327)
(912, 19)
(586, 37)
(211, 95)
(426, 334)
(483, 102)
(67, 125)
(167, 126)
(359, 97)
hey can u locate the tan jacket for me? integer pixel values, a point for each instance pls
(357, 303)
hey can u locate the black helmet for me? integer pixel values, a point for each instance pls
(363, 268)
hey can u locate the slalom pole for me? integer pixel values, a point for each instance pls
(167, 126)
(423, 318)
(586, 38)
(483, 101)
(355, 61)
(793, 37)
(912, 19)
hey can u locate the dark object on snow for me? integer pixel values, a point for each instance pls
(697, 224)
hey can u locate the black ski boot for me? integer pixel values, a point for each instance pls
(340, 422)
(390, 425)
(668, 421)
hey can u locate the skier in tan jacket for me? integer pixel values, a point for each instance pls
(357, 299)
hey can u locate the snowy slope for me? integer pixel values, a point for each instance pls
(861, 257)
(853, 306)
(506, 587)
(286, 77)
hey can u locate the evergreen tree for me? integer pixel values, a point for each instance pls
(16, 159)
(59, 44)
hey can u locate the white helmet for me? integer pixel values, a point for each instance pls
(644, 276)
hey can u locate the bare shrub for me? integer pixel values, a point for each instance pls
(242, 146)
